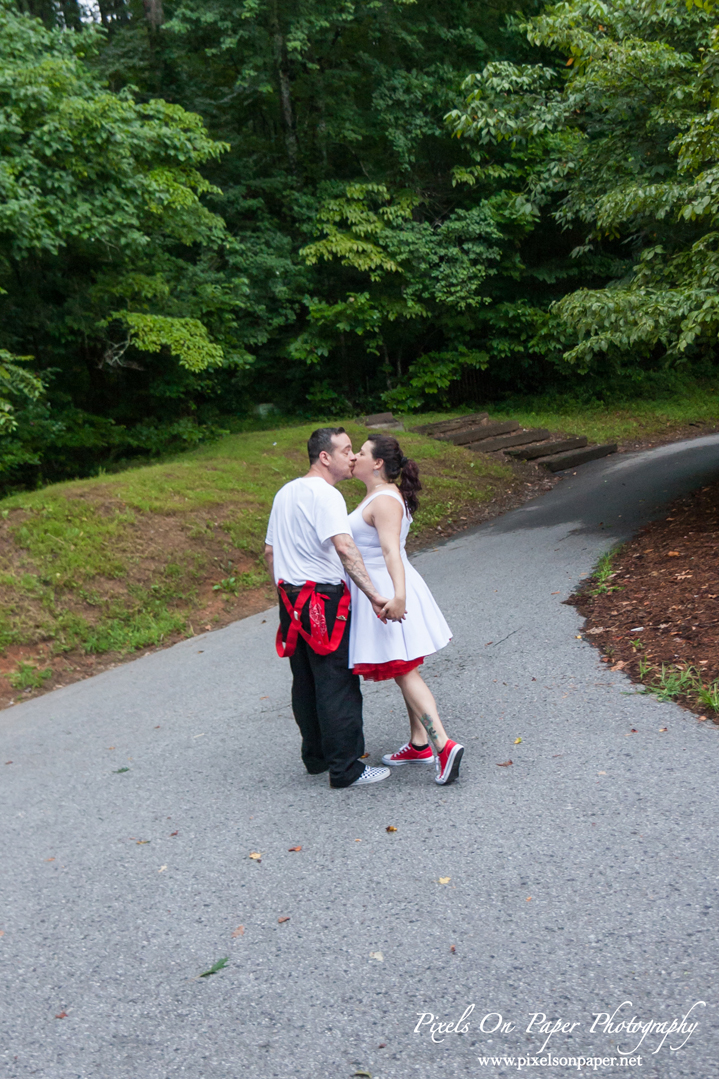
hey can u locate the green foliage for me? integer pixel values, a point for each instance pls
(625, 141)
(15, 382)
(603, 573)
(28, 676)
(235, 202)
(109, 254)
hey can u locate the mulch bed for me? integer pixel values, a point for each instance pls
(662, 602)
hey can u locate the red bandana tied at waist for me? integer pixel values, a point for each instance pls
(318, 639)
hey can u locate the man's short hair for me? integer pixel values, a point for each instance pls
(320, 440)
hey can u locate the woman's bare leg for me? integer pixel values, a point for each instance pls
(424, 719)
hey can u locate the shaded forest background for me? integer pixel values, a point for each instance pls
(336, 207)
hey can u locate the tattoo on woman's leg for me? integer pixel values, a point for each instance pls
(428, 724)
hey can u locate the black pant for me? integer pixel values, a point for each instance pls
(326, 697)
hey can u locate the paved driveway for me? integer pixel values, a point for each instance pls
(581, 876)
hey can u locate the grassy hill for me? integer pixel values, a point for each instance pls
(94, 570)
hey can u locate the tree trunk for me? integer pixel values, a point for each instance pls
(71, 14)
(154, 13)
(283, 76)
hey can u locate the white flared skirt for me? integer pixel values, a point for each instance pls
(422, 632)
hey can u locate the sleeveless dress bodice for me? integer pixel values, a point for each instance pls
(422, 632)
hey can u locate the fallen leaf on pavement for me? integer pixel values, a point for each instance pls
(517, 741)
(367, 1074)
(364, 756)
(215, 967)
(528, 899)
(239, 932)
(264, 698)
(285, 919)
(141, 842)
(634, 730)
(2, 932)
(452, 948)
(255, 856)
(663, 728)
(378, 956)
(294, 848)
(8, 762)
(505, 764)
(61, 1015)
(601, 773)
(49, 859)
(701, 719)
(390, 828)
(444, 880)
(118, 771)
(162, 869)
(174, 833)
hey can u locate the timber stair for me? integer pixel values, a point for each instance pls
(480, 434)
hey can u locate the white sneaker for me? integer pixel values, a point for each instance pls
(371, 775)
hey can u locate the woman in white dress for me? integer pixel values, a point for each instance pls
(382, 650)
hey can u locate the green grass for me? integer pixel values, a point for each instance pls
(604, 572)
(118, 563)
(28, 676)
(669, 682)
(638, 419)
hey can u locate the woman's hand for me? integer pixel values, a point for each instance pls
(396, 609)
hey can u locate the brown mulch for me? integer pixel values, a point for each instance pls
(664, 604)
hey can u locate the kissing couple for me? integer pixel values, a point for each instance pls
(351, 604)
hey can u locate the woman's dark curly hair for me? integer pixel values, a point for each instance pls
(388, 449)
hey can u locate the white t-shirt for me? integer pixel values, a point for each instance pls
(306, 513)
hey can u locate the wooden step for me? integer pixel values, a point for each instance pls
(489, 445)
(458, 423)
(559, 461)
(474, 434)
(528, 453)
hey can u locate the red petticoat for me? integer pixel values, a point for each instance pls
(380, 672)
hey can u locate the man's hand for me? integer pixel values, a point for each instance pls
(379, 603)
(270, 561)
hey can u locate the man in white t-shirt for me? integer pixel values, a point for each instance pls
(309, 549)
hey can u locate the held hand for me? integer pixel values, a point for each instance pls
(378, 606)
(396, 609)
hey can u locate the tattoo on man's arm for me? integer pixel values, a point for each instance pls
(352, 562)
(428, 724)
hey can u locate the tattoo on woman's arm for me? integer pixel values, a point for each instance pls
(428, 724)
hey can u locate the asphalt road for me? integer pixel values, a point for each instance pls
(580, 877)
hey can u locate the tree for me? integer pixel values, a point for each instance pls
(108, 254)
(625, 138)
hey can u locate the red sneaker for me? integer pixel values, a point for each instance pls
(448, 762)
(409, 755)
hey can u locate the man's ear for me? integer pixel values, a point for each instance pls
(325, 458)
